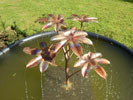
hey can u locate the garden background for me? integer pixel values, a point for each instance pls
(18, 17)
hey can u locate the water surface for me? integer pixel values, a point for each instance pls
(19, 83)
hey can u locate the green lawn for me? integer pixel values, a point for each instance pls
(115, 16)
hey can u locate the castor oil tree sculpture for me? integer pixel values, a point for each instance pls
(69, 40)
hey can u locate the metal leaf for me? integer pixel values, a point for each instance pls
(57, 37)
(34, 62)
(60, 45)
(100, 71)
(76, 48)
(31, 51)
(43, 66)
(85, 69)
(79, 63)
(102, 61)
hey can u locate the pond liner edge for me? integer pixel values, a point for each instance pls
(94, 35)
(111, 41)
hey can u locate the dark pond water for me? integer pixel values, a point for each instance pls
(19, 83)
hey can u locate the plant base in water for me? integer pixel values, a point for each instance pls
(67, 86)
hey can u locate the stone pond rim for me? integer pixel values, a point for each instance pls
(93, 35)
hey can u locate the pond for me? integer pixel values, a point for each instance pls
(19, 83)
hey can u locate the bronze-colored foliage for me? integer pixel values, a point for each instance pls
(69, 40)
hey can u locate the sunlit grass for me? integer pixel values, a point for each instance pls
(115, 16)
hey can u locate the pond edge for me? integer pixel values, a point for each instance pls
(94, 35)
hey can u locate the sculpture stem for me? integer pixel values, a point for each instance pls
(74, 73)
(81, 27)
(66, 55)
(67, 70)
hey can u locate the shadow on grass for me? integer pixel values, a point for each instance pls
(18, 30)
(9, 34)
(128, 1)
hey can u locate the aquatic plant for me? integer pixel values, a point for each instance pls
(69, 42)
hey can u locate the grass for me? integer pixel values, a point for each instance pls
(115, 16)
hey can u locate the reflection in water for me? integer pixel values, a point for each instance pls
(107, 90)
(26, 90)
(42, 87)
(26, 86)
(81, 90)
(57, 85)
(110, 80)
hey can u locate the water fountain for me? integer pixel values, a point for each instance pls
(17, 82)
